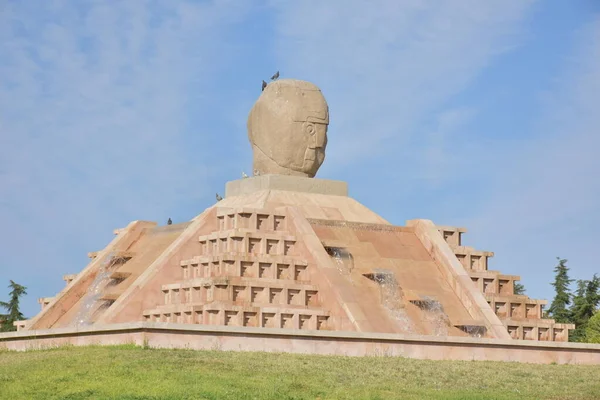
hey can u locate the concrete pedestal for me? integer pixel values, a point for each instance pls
(287, 183)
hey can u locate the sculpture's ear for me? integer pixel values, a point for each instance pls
(309, 128)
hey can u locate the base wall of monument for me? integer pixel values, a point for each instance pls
(167, 335)
(254, 184)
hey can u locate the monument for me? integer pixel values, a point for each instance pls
(290, 262)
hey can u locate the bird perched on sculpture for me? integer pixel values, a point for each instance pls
(264, 85)
(219, 198)
(275, 76)
(244, 175)
(169, 222)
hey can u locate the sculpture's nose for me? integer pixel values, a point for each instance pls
(319, 136)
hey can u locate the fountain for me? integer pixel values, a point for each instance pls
(343, 259)
(391, 296)
(89, 301)
(473, 330)
(434, 315)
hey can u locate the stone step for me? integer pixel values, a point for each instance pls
(240, 256)
(246, 291)
(538, 329)
(247, 242)
(515, 306)
(494, 283)
(232, 315)
(257, 220)
(246, 266)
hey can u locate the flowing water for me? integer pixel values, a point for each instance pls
(391, 298)
(435, 315)
(343, 259)
(390, 291)
(474, 330)
(89, 301)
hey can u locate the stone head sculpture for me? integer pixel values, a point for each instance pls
(287, 128)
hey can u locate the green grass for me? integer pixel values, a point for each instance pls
(128, 372)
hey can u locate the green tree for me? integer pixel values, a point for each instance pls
(577, 312)
(12, 307)
(592, 331)
(585, 304)
(559, 308)
(593, 293)
(519, 288)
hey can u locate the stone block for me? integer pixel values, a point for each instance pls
(285, 183)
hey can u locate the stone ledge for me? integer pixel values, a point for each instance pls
(297, 333)
(286, 183)
(359, 225)
(198, 337)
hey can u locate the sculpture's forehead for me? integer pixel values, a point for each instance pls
(306, 100)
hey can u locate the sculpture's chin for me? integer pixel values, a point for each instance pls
(297, 159)
(311, 167)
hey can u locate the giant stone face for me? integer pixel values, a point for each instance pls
(287, 128)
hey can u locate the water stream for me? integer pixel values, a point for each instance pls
(391, 298)
(474, 330)
(435, 315)
(343, 259)
(94, 292)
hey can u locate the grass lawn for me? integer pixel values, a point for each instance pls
(128, 372)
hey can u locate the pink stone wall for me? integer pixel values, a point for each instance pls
(146, 292)
(164, 335)
(457, 277)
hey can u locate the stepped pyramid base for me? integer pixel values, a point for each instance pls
(296, 257)
(521, 315)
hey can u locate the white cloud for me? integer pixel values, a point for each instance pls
(385, 66)
(545, 200)
(440, 162)
(94, 100)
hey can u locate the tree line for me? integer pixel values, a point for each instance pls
(12, 307)
(579, 307)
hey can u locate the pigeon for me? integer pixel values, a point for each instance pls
(169, 222)
(275, 76)
(256, 172)
(264, 85)
(219, 198)
(244, 175)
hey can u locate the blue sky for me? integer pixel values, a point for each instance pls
(481, 114)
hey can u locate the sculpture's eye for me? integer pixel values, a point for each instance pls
(310, 128)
